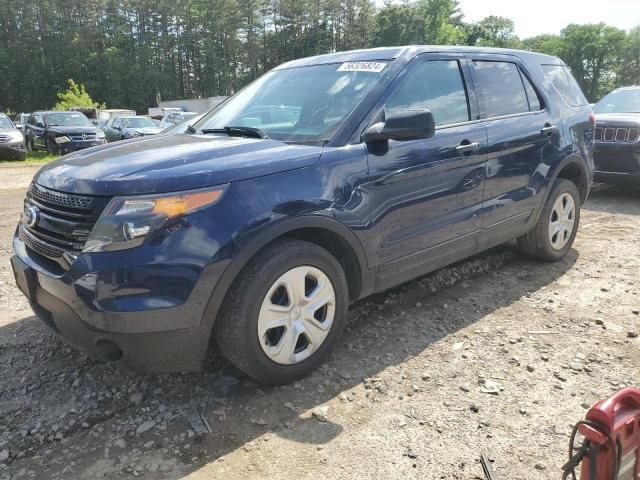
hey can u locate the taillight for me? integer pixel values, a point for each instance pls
(592, 119)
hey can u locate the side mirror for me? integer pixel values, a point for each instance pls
(402, 125)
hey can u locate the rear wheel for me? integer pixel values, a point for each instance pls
(284, 313)
(553, 235)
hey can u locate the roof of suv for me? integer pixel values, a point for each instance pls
(630, 87)
(391, 53)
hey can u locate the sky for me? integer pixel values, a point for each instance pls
(535, 17)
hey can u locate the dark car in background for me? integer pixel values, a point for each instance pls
(326, 180)
(617, 137)
(11, 140)
(61, 132)
(122, 128)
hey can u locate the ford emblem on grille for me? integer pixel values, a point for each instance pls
(31, 216)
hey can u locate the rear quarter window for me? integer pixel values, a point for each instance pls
(562, 80)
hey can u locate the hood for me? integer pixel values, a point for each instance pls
(144, 130)
(603, 119)
(168, 163)
(72, 129)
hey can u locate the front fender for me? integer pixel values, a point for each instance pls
(267, 235)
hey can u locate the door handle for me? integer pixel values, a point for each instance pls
(549, 130)
(467, 147)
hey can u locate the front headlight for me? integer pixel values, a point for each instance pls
(127, 221)
(15, 137)
(100, 135)
(62, 139)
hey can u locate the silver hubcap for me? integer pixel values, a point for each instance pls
(563, 219)
(296, 315)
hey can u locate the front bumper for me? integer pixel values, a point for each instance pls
(74, 146)
(141, 333)
(617, 157)
(13, 151)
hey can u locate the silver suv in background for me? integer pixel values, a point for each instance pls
(11, 140)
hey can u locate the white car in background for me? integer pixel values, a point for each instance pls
(175, 117)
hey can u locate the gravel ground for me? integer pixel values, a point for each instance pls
(497, 355)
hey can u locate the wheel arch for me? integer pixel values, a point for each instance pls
(323, 231)
(573, 168)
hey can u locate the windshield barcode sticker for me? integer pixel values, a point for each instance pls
(375, 67)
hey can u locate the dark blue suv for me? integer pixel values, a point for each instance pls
(326, 180)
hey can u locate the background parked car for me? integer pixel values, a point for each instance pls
(11, 140)
(61, 132)
(129, 127)
(175, 117)
(20, 120)
(617, 137)
(181, 127)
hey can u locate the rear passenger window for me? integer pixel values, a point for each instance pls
(534, 101)
(565, 84)
(501, 89)
(435, 85)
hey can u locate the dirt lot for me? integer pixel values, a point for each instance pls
(499, 355)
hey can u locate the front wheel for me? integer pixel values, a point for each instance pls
(284, 313)
(52, 147)
(553, 235)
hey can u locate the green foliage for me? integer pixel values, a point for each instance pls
(628, 72)
(497, 32)
(597, 54)
(129, 53)
(75, 96)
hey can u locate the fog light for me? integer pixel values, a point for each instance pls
(107, 351)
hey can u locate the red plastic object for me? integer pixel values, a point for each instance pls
(619, 416)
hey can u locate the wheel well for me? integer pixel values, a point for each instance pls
(575, 174)
(339, 248)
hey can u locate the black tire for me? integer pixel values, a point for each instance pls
(236, 327)
(536, 244)
(52, 147)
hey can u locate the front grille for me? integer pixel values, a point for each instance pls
(79, 137)
(617, 134)
(37, 245)
(63, 221)
(59, 199)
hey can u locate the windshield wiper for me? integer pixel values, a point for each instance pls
(233, 131)
(191, 130)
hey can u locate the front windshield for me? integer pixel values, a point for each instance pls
(297, 104)
(622, 101)
(70, 119)
(139, 122)
(5, 122)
